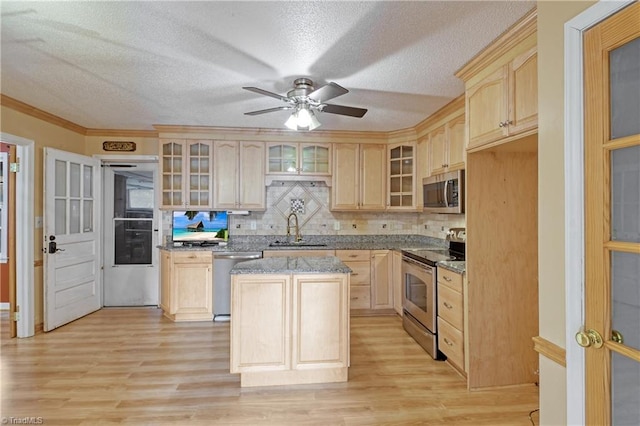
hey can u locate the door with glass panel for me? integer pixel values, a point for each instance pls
(130, 276)
(71, 240)
(611, 331)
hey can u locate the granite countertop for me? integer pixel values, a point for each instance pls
(331, 242)
(455, 266)
(292, 265)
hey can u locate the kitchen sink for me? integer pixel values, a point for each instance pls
(295, 244)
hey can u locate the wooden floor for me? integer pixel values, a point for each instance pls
(133, 366)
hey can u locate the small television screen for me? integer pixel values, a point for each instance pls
(199, 227)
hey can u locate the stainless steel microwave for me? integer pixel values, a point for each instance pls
(444, 193)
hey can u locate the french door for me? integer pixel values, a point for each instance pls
(612, 218)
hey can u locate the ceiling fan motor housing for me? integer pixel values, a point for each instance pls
(302, 88)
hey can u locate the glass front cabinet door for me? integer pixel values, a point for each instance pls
(186, 173)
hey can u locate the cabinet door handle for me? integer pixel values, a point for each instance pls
(447, 279)
(448, 342)
(353, 274)
(448, 306)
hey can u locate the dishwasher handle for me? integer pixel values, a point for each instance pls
(239, 256)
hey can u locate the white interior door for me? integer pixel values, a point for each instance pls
(72, 246)
(130, 235)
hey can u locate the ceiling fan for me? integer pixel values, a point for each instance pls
(304, 99)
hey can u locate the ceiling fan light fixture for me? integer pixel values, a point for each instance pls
(302, 119)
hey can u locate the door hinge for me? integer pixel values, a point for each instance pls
(16, 314)
(14, 167)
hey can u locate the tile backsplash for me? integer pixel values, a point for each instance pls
(311, 200)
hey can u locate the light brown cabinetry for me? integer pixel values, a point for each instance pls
(239, 175)
(289, 328)
(451, 317)
(298, 159)
(359, 177)
(371, 285)
(402, 177)
(360, 263)
(381, 279)
(505, 103)
(186, 173)
(398, 281)
(447, 147)
(502, 266)
(187, 285)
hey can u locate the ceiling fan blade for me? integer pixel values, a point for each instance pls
(267, 93)
(328, 91)
(344, 110)
(264, 111)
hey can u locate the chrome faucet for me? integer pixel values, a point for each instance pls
(298, 236)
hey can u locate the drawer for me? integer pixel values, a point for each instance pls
(193, 257)
(450, 278)
(360, 297)
(450, 306)
(451, 343)
(352, 255)
(361, 274)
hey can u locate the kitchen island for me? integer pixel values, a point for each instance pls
(290, 321)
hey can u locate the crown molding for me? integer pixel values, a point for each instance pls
(40, 114)
(525, 27)
(123, 133)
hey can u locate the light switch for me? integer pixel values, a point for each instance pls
(336, 225)
(253, 225)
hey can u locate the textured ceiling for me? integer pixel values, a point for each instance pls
(130, 65)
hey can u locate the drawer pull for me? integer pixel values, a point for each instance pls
(446, 278)
(353, 274)
(447, 305)
(448, 342)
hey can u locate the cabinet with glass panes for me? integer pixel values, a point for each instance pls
(186, 170)
(401, 177)
(298, 159)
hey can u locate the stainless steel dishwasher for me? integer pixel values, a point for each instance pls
(222, 264)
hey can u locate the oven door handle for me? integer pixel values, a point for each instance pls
(420, 265)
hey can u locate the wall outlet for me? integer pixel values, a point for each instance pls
(336, 225)
(253, 225)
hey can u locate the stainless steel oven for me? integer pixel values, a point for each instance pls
(419, 303)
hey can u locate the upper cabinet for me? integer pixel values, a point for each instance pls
(502, 88)
(239, 175)
(299, 159)
(447, 147)
(402, 178)
(186, 169)
(506, 102)
(359, 178)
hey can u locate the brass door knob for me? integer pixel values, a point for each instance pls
(617, 337)
(588, 338)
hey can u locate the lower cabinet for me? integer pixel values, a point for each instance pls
(398, 281)
(289, 329)
(187, 285)
(371, 279)
(451, 318)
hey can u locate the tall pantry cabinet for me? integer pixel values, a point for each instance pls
(501, 210)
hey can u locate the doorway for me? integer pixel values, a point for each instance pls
(130, 274)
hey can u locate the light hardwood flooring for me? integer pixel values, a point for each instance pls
(133, 366)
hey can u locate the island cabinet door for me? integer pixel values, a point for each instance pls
(260, 323)
(320, 321)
